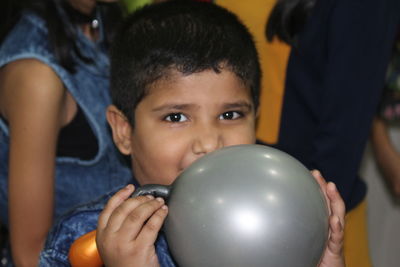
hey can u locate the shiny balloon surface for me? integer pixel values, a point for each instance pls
(246, 205)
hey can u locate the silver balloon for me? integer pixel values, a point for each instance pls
(246, 205)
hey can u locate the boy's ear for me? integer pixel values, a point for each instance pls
(257, 117)
(257, 113)
(121, 129)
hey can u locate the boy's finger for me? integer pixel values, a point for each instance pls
(322, 184)
(150, 231)
(120, 213)
(335, 243)
(136, 219)
(319, 178)
(337, 205)
(113, 203)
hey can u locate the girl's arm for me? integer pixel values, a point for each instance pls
(387, 157)
(35, 105)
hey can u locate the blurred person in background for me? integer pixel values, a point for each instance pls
(56, 151)
(386, 154)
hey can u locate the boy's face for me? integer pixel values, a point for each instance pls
(181, 119)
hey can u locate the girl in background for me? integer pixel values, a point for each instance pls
(56, 151)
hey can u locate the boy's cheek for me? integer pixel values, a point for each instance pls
(241, 135)
(162, 157)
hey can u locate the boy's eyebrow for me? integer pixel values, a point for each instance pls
(234, 105)
(172, 106)
(241, 104)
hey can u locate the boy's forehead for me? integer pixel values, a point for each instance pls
(176, 79)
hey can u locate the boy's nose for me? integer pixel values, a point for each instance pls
(207, 140)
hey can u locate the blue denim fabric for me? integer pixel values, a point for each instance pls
(79, 222)
(76, 181)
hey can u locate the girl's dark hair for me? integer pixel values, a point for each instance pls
(184, 36)
(9, 14)
(287, 19)
(61, 37)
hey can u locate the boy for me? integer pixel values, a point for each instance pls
(185, 81)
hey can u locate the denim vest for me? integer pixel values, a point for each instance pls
(76, 181)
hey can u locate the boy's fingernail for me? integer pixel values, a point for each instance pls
(159, 199)
(332, 186)
(317, 172)
(129, 187)
(164, 207)
(150, 196)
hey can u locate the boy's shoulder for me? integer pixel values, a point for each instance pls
(68, 228)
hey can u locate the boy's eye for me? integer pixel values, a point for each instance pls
(230, 115)
(176, 117)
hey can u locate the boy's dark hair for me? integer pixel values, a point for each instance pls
(184, 36)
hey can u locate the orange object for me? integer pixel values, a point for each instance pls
(84, 253)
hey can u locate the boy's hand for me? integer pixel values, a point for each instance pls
(128, 228)
(333, 255)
